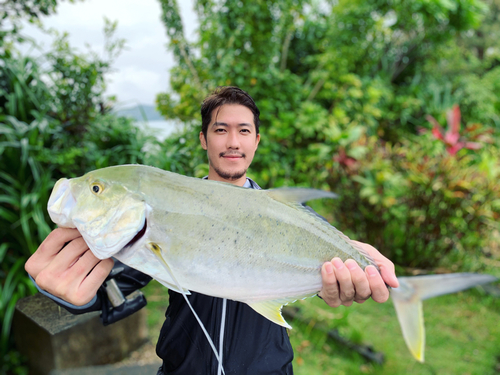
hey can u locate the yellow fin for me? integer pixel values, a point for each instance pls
(407, 299)
(298, 195)
(408, 306)
(156, 250)
(271, 310)
(411, 320)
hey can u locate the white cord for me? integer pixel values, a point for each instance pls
(196, 315)
(221, 336)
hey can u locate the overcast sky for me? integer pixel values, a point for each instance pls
(141, 71)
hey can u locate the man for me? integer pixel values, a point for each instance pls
(252, 344)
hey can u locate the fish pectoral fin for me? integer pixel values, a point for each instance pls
(271, 310)
(298, 195)
(176, 286)
(411, 320)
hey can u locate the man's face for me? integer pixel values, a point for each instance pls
(231, 143)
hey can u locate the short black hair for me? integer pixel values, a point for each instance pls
(227, 95)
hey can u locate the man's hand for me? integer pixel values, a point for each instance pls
(64, 266)
(346, 282)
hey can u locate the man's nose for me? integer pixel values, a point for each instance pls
(233, 140)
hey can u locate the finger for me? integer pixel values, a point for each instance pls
(49, 248)
(385, 265)
(56, 277)
(330, 291)
(380, 293)
(83, 266)
(71, 285)
(69, 255)
(93, 281)
(359, 280)
(346, 286)
(70, 277)
(56, 240)
(388, 273)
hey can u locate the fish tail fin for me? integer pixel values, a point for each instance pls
(411, 320)
(408, 297)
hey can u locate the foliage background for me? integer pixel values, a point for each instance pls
(344, 88)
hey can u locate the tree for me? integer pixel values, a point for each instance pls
(320, 72)
(14, 13)
(343, 88)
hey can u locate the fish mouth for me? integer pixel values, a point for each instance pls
(138, 236)
(61, 203)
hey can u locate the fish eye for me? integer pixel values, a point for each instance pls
(97, 188)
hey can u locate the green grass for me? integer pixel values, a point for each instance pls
(157, 296)
(462, 330)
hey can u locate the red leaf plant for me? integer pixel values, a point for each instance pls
(344, 160)
(451, 138)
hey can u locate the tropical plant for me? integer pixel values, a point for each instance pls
(451, 138)
(423, 203)
(53, 122)
(24, 189)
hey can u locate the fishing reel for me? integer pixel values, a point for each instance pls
(120, 295)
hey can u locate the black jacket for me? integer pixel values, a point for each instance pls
(252, 344)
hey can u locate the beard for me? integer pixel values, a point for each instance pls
(230, 176)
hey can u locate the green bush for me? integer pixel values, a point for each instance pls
(421, 206)
(33, 157)
(24, 190)
(49, 128)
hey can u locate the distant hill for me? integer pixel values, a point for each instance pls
(141, 112)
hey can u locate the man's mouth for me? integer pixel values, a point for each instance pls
(231, 155)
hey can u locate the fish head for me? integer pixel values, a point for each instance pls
(106, 207)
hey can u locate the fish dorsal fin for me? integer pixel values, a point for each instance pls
(272, 309)
(298, 195)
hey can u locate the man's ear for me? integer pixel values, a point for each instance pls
(257, 142)
(203, 141)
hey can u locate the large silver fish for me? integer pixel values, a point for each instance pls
(260, 247)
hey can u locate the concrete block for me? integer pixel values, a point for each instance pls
(52, 338)
(149, 369)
